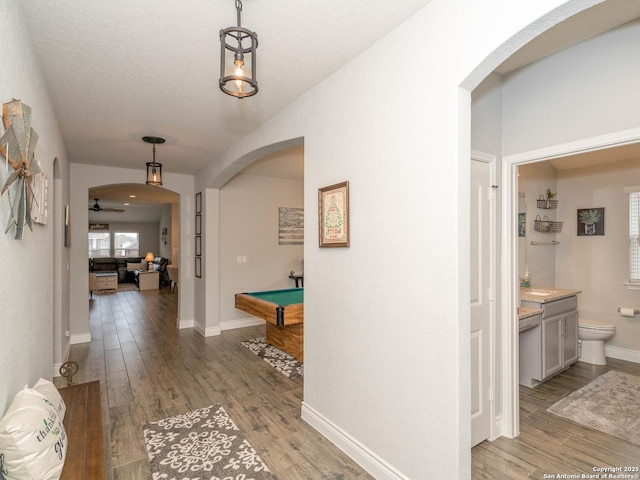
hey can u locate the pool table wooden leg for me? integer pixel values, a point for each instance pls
(288, 339)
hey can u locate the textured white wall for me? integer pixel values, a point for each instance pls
(84, 177)
(534, 180)
(584, 91)
(599, 266)
(249, 227)
(29, 266)
(386, 320)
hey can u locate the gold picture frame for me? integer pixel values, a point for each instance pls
(333, 215)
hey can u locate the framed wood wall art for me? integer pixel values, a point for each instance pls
(333, 215)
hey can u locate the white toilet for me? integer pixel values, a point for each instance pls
(592, 334)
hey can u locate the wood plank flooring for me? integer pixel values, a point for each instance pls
(550, 445)
(150, 370)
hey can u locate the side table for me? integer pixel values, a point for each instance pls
(148, 281)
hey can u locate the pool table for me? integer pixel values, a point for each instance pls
(283, 310)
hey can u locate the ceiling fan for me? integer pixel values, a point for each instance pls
(97, 208)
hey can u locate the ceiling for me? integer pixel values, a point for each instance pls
(141, 203)
(119, 70)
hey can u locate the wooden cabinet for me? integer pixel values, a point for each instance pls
(551, 347)
(559, 343)
(103, 281)
(531, 352)
(555, 348)
(570, 338)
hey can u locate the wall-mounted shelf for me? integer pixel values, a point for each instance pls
(554, 242)
(546, 226)
(547, 204)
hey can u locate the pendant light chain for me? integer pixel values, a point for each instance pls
(238, 10)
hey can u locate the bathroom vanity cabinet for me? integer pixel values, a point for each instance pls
(553, 347)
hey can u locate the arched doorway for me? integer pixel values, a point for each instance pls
(507, 346)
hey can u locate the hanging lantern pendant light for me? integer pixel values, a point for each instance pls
(154, 170)
(238, 59)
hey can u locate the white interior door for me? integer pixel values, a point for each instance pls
(482, 305)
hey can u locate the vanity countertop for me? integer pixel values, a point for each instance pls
(553, 294)
(526, 312)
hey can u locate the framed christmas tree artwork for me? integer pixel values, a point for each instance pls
(333, 215)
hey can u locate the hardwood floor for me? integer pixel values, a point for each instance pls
(150, 370)
(550, 445)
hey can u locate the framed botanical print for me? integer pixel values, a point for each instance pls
(590, 221)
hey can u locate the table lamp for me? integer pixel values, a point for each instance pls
(149, 259)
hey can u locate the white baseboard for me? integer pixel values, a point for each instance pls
(79, 338)
(65, 357)
(622, 353)
(497, 428)
(230, 325)
(207, 331)
(368, 460)
(241, 323)
(185, 324)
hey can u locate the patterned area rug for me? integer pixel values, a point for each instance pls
(122, 287)
(281, 361)
(608, 404)
(127, 287)
(203, 444)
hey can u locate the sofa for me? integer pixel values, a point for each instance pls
(159, 265)
(125, 267)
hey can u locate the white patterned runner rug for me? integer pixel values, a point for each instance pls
(283, 362)
(204, 444)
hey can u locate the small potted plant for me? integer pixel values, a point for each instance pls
(550, 195)
(589, 218)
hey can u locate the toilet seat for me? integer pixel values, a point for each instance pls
(594, 324)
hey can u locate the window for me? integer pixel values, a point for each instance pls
(125, 245)
(634, 236)
(99, 244)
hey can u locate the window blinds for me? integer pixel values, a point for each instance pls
(634, 236)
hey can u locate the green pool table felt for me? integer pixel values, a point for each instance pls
(281, 297)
